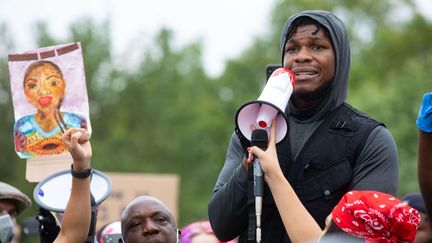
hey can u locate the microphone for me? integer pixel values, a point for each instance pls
(6, 228)
(259, 138)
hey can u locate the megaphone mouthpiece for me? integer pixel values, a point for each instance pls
(265, 115)
(284, 73)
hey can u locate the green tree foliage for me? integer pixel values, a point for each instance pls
(165, 121)
(390, 78)
(7, 172)
(155, 110)
(390, 56)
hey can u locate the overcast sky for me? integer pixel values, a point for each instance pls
(226, 27)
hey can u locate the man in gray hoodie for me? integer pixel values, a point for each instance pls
(331, 148)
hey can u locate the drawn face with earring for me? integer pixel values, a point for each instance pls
(40, 134)
(44, 87)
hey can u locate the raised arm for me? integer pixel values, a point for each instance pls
(299, 224)
(425, 167)
(76, 220)
(424, 124)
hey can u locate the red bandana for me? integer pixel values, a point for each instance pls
(376, 216)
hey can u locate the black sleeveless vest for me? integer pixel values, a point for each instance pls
(321, 173)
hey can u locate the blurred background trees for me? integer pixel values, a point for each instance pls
(155, 110)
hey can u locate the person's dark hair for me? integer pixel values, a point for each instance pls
(41, 63)
(302, 21)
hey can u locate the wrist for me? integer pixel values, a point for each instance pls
(81, 173)
(80, 166)
(81, 163)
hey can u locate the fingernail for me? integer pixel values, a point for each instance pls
(248, 149)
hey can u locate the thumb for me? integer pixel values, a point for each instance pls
(256, 151)
(84, 137)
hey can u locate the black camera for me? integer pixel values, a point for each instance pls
(113, 238)
(270, 69)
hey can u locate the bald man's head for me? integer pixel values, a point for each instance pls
(147, 219)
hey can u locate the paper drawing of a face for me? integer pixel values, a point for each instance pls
(44, 86)
(40, 132)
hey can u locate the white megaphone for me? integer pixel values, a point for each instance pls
(270, 105)
(53, 192)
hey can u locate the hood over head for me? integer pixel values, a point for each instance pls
(338, 89)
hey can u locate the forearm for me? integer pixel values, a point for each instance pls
(425, 167)
(76, 219)
(77, 215)
(298, 222)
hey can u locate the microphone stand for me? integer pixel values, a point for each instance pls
(260, 139)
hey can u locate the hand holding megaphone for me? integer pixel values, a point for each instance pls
(253, 121)
(270, 105)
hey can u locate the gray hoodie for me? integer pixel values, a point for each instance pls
(304, 122)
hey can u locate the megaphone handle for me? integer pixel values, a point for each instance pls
(258, 179)
(258, 192)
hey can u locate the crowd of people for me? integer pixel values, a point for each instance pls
(334, 179)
